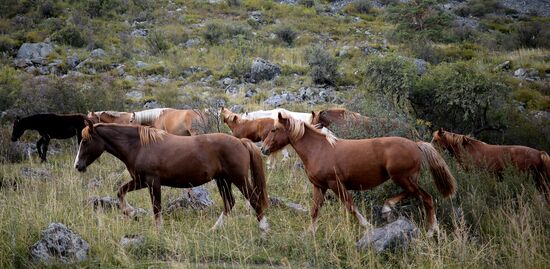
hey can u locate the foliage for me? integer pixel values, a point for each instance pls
(361, 7)
(479, 8)
(71, 35)
(214, 33)
(286, 34)
(324, 67)
(460, 97)
(157, 42)
(102, 8)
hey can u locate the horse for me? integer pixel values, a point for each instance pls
(110, 117)
(306, 117)
(342, 165)
(155, 158)
(183, 122)
(471, 153)
(253, 129)
(49, 126)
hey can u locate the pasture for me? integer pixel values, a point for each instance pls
(489, 223)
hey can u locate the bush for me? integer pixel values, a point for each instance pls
(479, 8)
(7, 44)
(324, 67)
(214, 33)
(103, 8)
(10, 85)
(234, 3)
(49, 9)
(307, 3)
(361, 6)
(286, 34)
(9, 152)
(531, 34)
(156, 42)
(70, 35)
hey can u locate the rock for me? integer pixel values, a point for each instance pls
(22, 62)
(296, 208)
(104, 203)
(529, 74)
(343, 51)
(34, 51)
(38, 173)
(256, 16)
(315, 95)
(277, 100)
(421, 66)
(192, 42)
(263, 70)
(98, 53)
(197, 198)
(151, 104)
(58, 243)
(140, 64)
(503, 66)
(120, 70)
(250, 92)
(192, 70)
(133, 240)
(140, 32)
(135, 94)
(226, 81)
(397, 234)
(237, 109)
(94, 183)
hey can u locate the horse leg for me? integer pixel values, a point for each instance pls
(318, 201)
(154, 192)
(133, 185)
(45, 146)
(390, 203)
(39, 147)
(252, 198)
(427, 200)
(224, 187)
(340, 190)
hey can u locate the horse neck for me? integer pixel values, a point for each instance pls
(309, 145)
(119, 141)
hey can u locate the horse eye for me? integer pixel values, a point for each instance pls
(272, 130)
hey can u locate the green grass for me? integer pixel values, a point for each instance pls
(504, 223)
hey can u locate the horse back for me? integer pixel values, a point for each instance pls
(57, 126)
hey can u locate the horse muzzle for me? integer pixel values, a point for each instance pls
(81, 168)
(265, 151)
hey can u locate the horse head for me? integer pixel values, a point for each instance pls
(279, 136)
(18, 130)
(94, 117)
(91, 147)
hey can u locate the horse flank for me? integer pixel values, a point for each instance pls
(297, 129)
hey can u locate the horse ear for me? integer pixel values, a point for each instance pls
(90, 125)
(313, 114)
(440, 131)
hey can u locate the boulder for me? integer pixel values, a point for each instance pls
(529, 74)
(503, 66)
(192, 42)
(104, 202)
(140, 32)
(421, 66)
(140, 64)
(34, 51)
(22, 62)
(98, 53)
(59, 244)
(135, 94)
(151, 104)
(237, 109)
(263, 70)
(197, 198)
(397, 234)
(277, 100)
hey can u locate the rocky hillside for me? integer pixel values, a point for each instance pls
(478, 66)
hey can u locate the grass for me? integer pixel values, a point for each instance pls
(503, 224)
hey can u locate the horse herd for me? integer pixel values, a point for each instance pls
(164, 147)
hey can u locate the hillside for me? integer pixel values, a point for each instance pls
(478, 67)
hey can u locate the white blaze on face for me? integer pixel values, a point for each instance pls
(76, 159)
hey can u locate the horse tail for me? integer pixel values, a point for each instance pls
(259, 187)
(443, 179)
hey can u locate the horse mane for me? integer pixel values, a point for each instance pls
(459, 139)
(147, 135)
(298, 128)
(149, 115)
(110, 113)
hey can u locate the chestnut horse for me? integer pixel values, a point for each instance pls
(49, 126)
(174, 121)
(110, 117)
(342, 165)
(155, 158)
(495, 158)
(255, 130)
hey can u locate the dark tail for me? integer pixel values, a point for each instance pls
(259, 186)
(443, 179)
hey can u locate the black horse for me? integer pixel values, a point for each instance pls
(49, 126)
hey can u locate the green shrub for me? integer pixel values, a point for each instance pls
(156, 42)
(9, 152)
(531, 34)
(286, 34)
(10, 85)
(361, 7)
(324, 67)
(49, 9)
(307, 3)
(479, 8)
(214, 33)
(234, 3)
(70, 35)
(7, 44)
(104, 8)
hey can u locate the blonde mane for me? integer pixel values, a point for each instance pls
(110, 113)
(298, 128)
(148, 116)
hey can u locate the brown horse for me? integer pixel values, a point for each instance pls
(342, 165)
(110, 117)
(255, 130)
(154, 158)
(347, 123)
(174, 121)
(495, 158)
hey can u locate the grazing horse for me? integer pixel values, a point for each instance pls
(342, 165)
(470, 153)
(174, 121)
(255, 130)
(344, 122)
(156, 158)
(49, 126)
(110, 117)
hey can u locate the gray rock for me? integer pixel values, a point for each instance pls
(30, 69)
(192, 70)
(132, 241)
(104, 202)
(94, 183)
(22, 62)
(72, 61)
(237, 109)
(151, 104)
(315, 95)
(135, 94)
(421, 66)
(140, 32)
(250, 92)
(140, 64)
(529, 74)
(343, 51)
(232, 89)
(34, 50)
(98, 53)
(192, 42)
(256, 16)
(59, 243)
(277, 100)
(43, 70)
(226, 81)
(296, 208)
(397, 234)
(197, 198)
(36, 173)
(120, 70)
(263, 70)
(503, 66)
